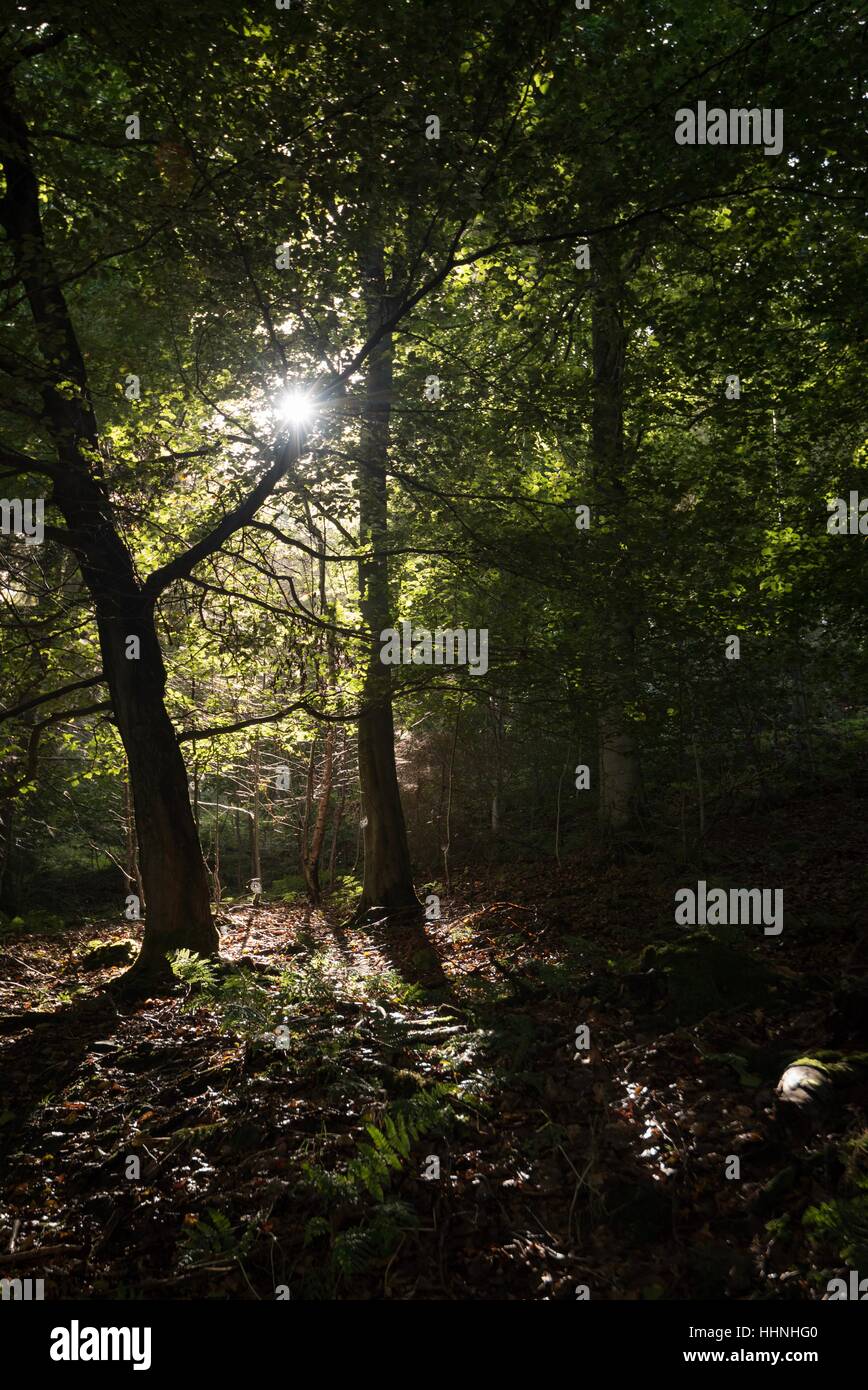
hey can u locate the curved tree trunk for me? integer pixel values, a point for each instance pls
(173, 871)
(174, 876)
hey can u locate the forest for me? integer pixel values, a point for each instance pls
(433, 652)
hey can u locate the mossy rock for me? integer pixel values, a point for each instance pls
(820, 1080)
(842, 1068)
(708, 972)
(103, 954)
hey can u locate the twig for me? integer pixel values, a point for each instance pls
(44, 1252)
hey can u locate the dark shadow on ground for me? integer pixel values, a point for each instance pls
(47, 1054)
(402, 938)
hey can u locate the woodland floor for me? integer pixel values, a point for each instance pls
(257, 1169)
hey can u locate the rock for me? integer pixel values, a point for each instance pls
(816, 1080)
(803, 1085)
(703, 973)
(109, 953)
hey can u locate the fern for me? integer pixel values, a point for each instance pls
(211, 1236)
(192, 969)
(842, 1224)
(315, 1229)
(402, 1124)
(357, 1250)
(388, 1149)
(370, 1172)
(363, 1247)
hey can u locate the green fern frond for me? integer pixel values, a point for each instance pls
(193, 969)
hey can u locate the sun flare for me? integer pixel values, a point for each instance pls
(295, 408)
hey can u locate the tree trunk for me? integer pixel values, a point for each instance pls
(134, 873)
(310, 864)
(339, 815)
(619, 752)
(7, 825)
(255, 837)
(173, 872)
(174, 876)
(304, 826)
(388, 877)
(313, 850)
(217, 887)
(447, 843)
(239, 857)
(497, 714)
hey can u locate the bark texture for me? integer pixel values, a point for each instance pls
(388, 877)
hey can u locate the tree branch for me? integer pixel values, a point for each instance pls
(17, 463)
(10, 788)
(183, 565)
(192, 735)
(52, 695)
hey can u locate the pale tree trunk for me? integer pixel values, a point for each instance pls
(339, 815)
(313, 851)
(388, 877)
(447, 843)
(304, 825)
(310, 863)
(218, 887)
(255, 836)
(255, 839)
(134, 876)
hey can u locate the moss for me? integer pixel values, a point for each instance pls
(706, 973)
(739, 1064)
(840, 1067)
(38, 921)
(102, 954)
